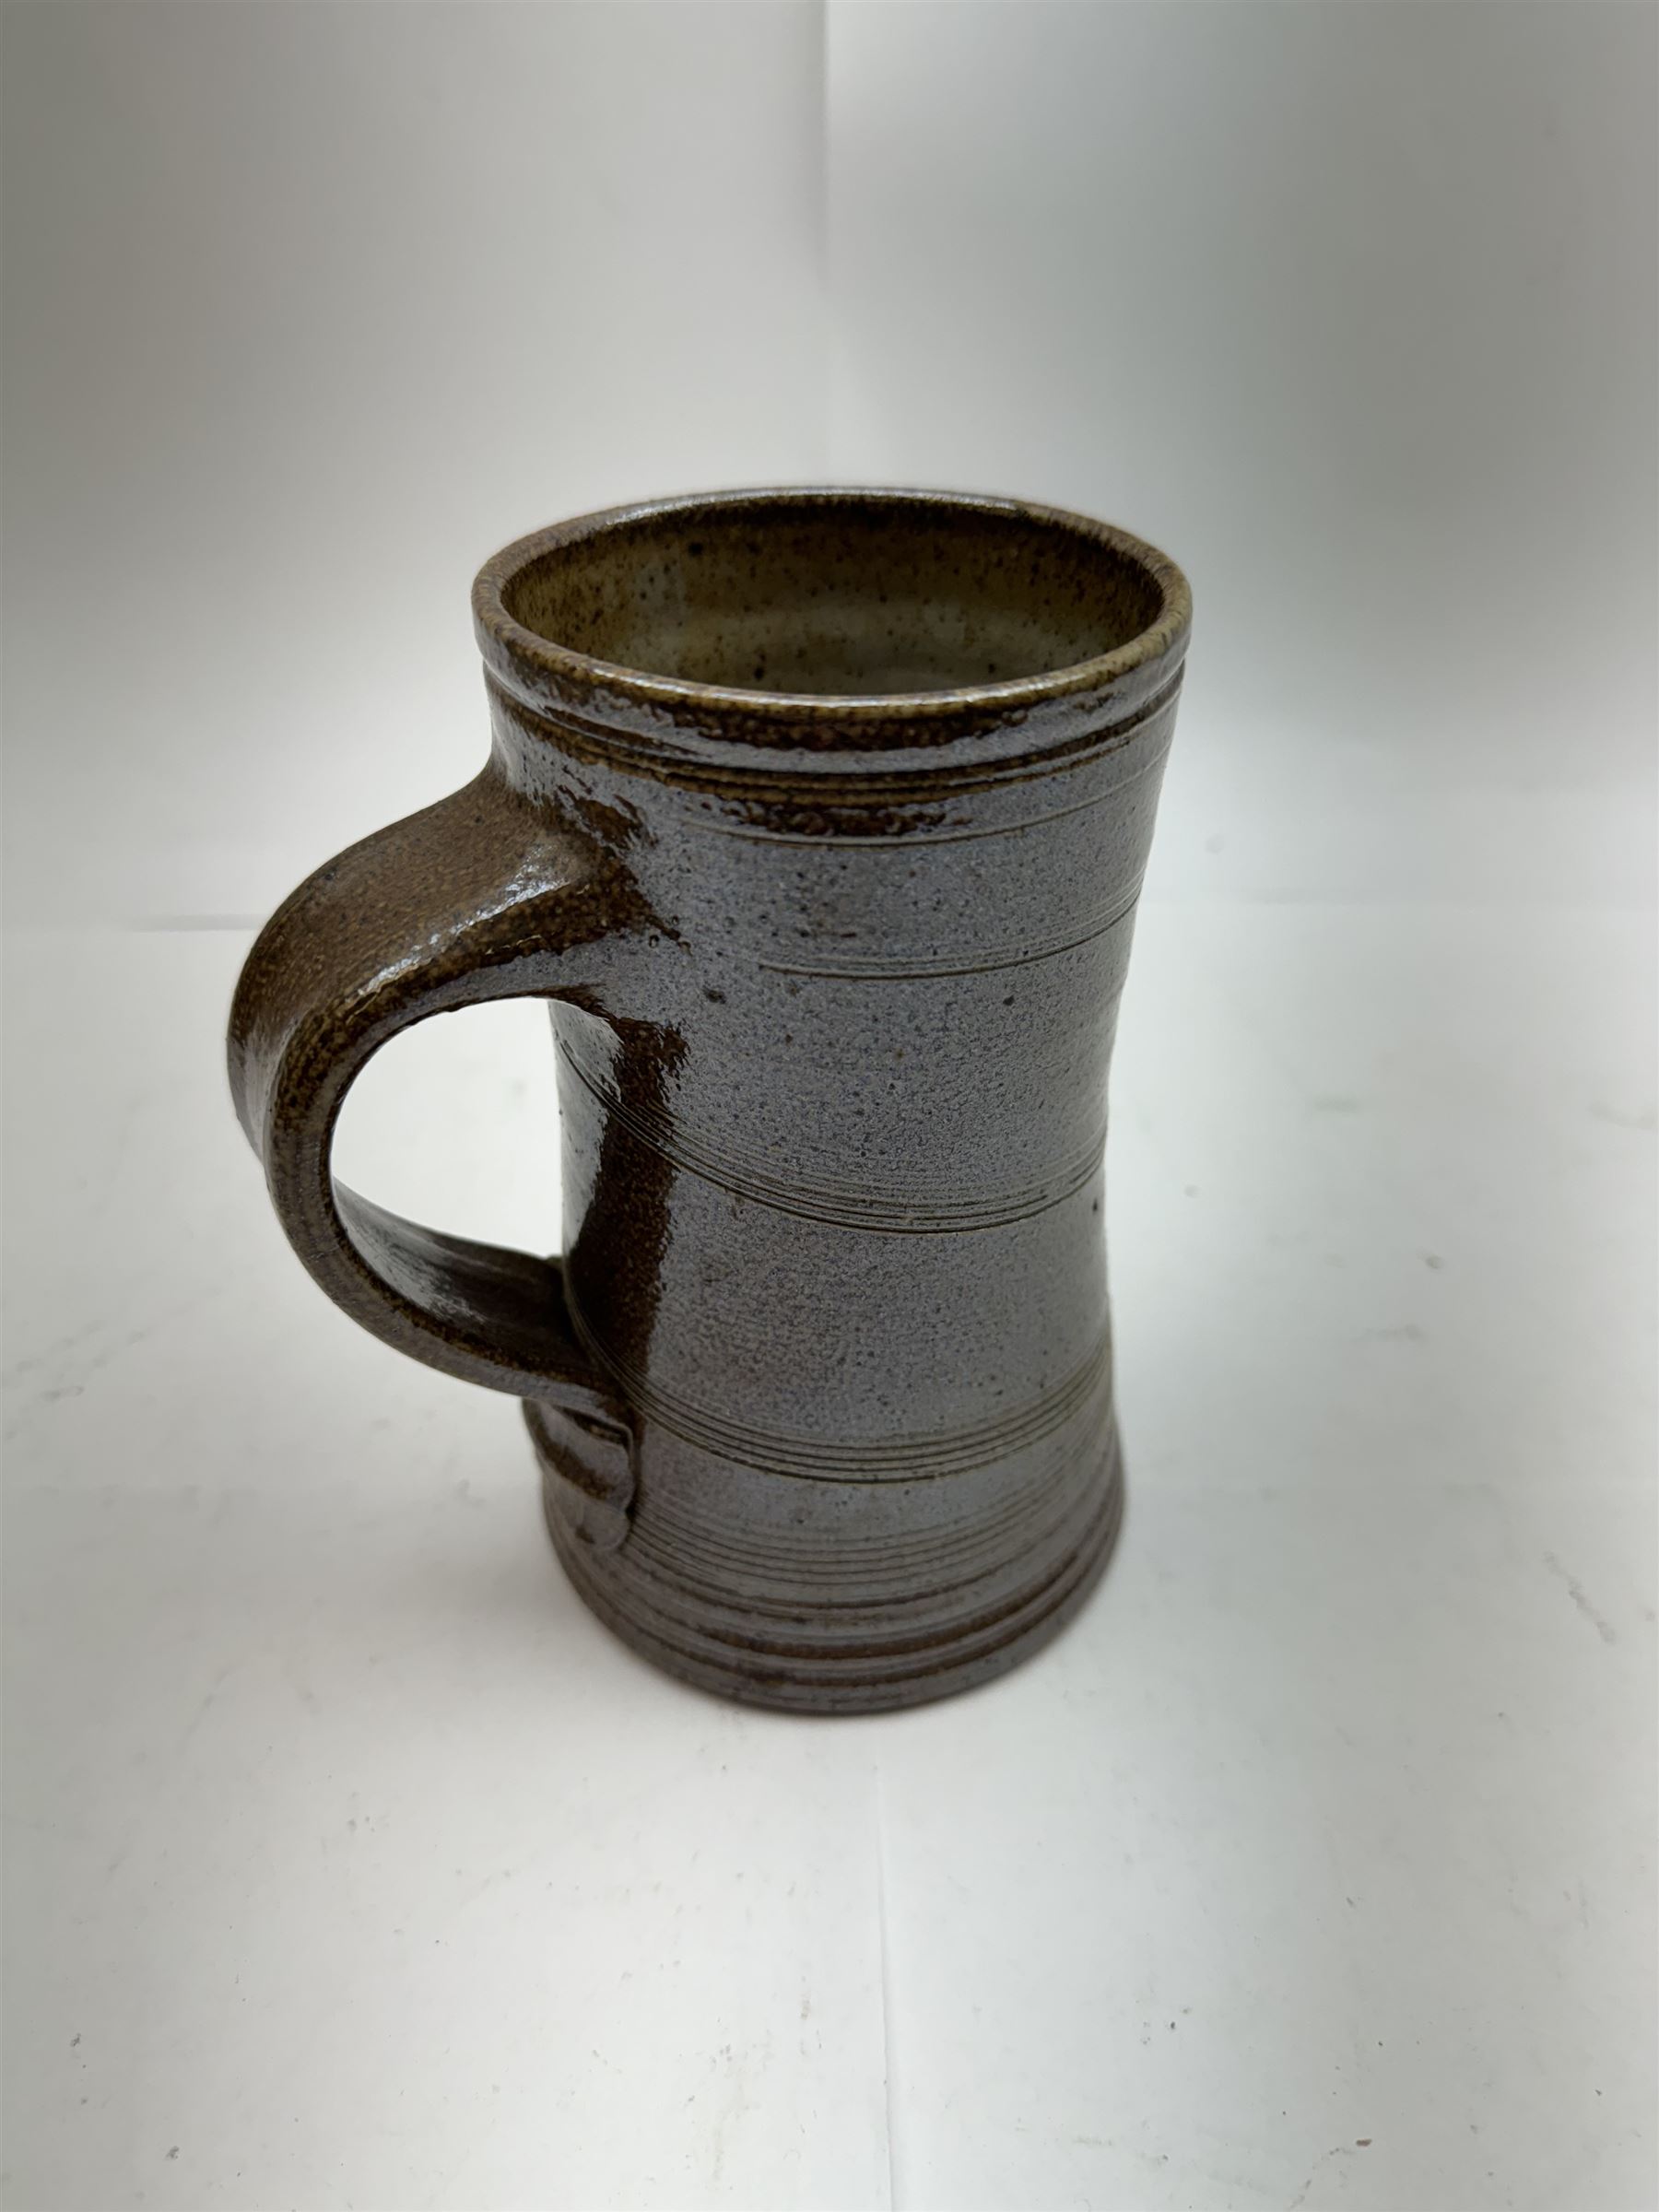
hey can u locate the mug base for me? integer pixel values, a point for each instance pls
(817, 1673)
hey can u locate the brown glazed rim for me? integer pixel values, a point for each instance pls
(644, 718)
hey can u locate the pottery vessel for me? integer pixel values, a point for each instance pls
(819, 819)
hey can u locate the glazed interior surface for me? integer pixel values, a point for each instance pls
(850, 599)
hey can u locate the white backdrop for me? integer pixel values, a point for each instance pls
(349, 1862)
(310, 309)
(1351, 308)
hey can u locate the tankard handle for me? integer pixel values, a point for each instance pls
(480, 897)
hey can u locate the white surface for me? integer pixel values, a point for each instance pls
(348, 1863)
(352, 1865)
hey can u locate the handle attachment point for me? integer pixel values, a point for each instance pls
(588, 1464)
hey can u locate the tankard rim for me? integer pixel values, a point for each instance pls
(837, 733)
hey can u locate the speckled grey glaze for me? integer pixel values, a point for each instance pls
(819, 817)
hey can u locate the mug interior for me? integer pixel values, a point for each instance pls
(852, 597)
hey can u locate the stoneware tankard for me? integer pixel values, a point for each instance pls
(817, 817)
